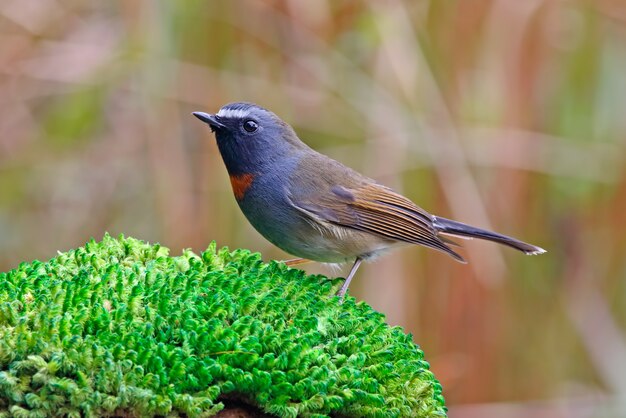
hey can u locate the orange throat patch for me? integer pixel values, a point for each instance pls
(241, 183)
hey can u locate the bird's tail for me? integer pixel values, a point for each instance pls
(448, 226)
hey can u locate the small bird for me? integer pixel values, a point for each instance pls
(314, 207)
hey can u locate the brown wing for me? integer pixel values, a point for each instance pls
(376, 209)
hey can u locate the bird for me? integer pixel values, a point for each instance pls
(316, 208)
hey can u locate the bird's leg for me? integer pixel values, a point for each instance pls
(344, 287)
(296, 261)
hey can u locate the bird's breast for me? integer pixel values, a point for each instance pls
(241, 183)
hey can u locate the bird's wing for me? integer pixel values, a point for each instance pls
(376, 209)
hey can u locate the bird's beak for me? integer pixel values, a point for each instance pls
(211, 120)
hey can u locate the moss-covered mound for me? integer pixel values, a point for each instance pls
(119, 328)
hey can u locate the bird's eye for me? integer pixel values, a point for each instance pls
(250, 125)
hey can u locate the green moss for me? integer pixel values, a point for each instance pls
(118, 327)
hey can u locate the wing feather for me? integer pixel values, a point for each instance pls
(378, 210)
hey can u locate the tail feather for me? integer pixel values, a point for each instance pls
(451, 227)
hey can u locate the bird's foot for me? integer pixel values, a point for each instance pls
(296, 261)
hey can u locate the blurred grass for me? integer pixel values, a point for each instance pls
(500, 113)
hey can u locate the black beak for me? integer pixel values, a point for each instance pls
(211, 120)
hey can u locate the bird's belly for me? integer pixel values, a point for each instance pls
(336, 244)
(268, 210)
(319, 241)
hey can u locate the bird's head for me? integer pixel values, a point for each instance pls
(250, 136)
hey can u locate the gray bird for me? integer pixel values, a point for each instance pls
(314, 207)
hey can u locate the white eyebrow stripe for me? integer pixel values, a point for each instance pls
(232, 113)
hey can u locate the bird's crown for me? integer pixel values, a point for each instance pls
(240, 110)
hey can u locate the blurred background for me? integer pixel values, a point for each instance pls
(505, 114)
